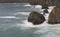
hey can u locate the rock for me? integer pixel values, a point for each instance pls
(45, 4)
(45, 11)
(44, 7)
(54, 16)
(36, 18)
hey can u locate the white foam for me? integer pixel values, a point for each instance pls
(23, 13)
(38, 6)
(27, 5)
(7, 17)
(29, 24)
(51, 8)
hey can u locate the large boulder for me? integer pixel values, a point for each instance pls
(54, 16)
(36, 18)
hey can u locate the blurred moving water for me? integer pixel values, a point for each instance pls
(13, 22)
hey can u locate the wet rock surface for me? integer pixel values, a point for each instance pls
(54, 16)
(45, 11)
(36, 18)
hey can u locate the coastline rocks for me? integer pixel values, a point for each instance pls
(54, 16)
(36, 18)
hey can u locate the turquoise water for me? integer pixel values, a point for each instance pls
(13, 23)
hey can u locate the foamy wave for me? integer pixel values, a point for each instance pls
(38, 6)
(26, 24)
(7, 17)
(29, 24)
(23, 13)
(51, 8)
(27, 5)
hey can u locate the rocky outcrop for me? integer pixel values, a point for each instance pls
(34, 2)
(36, 18)
(54, 16)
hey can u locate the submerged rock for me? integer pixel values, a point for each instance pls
(54, 16)
(36, 18)
(45, 11)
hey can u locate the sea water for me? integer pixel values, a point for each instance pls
(13, 22)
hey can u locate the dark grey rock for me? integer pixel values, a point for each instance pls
(44, 7)
(54, 16)
(45, 11)
(36, 18)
